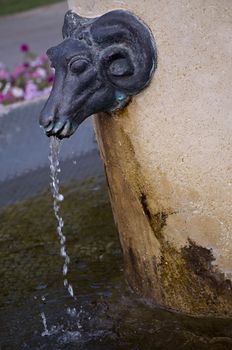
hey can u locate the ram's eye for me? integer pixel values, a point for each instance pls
(78, 65)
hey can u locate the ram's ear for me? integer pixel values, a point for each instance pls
(121, 67)
(71, 23)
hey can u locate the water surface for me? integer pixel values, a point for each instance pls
(112, 317)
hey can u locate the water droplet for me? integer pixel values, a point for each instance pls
(71, 311)
(44, 320)
(70, 289)
(65, 270)
(60, 197)
(62, 251)
(65, 283)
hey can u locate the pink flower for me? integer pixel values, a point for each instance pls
(43, 58)
(39, 61)
(31, 91)
(18, 70)
(24, 48)
(8, 97)
(50, 78)
(34, 75)
(17, 92)
(26, 64)
(4, 74)
(6, 89)
(41, 72)
(33, 78)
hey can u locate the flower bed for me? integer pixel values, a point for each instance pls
(31, 79)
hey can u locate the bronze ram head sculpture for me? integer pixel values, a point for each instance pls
(100, 64)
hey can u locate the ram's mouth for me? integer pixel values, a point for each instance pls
(61, 129)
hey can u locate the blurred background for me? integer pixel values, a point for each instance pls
(27, 30)
(39, 27)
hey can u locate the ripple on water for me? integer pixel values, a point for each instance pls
(110, 316)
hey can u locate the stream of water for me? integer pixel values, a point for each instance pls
(55, 146)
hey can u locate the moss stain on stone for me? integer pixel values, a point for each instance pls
(191, 283)
(157, 221)
(188, 279)
(29, 247)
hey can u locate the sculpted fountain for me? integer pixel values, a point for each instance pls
(167, 153)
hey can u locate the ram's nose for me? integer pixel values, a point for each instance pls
(53, 126)
(47, 115)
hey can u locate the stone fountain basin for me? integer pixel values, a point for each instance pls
(113, 318)
(24, 150)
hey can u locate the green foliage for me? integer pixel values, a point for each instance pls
(8, 7)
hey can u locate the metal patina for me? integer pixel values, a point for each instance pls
(101, 63)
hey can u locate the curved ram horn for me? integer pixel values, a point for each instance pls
(127, 50)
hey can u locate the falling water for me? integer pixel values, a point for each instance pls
(44, 320)
(57, 198)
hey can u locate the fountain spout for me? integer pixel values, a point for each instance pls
(101, 63)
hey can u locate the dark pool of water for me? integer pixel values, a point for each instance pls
(111, 317)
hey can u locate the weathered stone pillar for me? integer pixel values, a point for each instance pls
(168, 158)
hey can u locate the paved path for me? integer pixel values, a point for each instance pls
(40, 28)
